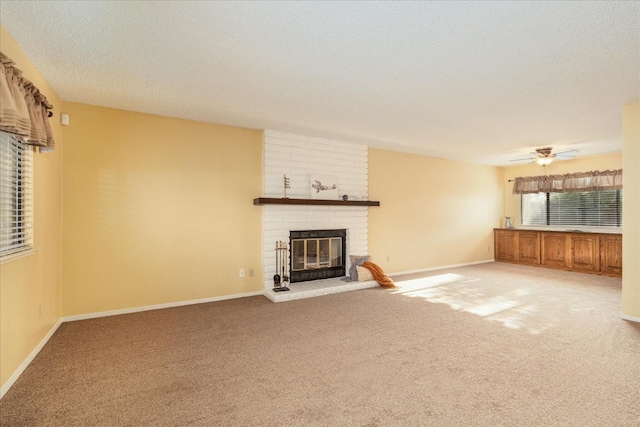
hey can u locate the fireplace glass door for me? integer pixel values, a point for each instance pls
(311, 254)
(317, 254)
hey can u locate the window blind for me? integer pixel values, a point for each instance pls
(16, 195)
(576, 208)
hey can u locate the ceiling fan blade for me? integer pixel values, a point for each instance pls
(522, 160)
(566, 153)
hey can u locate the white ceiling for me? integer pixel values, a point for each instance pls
(483, 82)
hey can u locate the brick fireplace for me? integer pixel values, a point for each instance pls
(299, 157)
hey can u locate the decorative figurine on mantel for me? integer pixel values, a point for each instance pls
(280, 282)
(286, 185)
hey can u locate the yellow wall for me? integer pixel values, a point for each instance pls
(631, 211)
(581, 164)
(34, 280)
(434, 212)
(157, 210)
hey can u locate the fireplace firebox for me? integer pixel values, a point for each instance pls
(317, 254)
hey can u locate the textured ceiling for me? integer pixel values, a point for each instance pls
(483, 82)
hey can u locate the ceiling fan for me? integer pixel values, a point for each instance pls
(544, 156)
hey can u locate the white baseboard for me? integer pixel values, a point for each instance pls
(12, 379)
(422, 270)
(6, 386)
(157, 306)
(630, 318)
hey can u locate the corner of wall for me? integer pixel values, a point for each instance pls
(631, 211)
(31, 287)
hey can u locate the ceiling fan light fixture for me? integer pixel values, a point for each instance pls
(544, 156)
(544, 161)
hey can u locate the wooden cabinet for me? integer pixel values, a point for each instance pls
(505, 245)
(522, 247)
(611, 254)
(598, 253)
(528, 247)
(554, 249)
(584, 252)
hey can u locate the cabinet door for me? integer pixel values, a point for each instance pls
(505, 245)
(554, 250)
(611, 255)
(529, 247)
(585, 252)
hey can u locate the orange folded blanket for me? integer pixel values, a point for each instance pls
(382, 279)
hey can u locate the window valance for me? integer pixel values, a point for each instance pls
(24, 111)
(582, 181)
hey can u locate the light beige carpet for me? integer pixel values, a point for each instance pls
(488, 345)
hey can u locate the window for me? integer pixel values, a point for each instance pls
(577, 208)
(16, 195)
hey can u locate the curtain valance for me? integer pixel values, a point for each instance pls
(24, 111)
(582, 181)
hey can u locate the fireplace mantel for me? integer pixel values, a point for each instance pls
(317, 202)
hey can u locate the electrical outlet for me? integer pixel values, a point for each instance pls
(251, 272)
(242, 272)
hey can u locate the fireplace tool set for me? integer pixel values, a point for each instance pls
(280, 281)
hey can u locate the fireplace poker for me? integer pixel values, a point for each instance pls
(276, 277)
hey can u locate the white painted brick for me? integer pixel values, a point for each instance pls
(274, 163)
(348, 164)
(275, 154)
(272, 235)
(300, 214)
(300, 171)
(299, 224)
(277, 144)
(353, 151)
(279, 153)
(297, 194)
(274, 178)
(275, 209)
(347, 179)
(279, 216)
(293, 136)
(302, 151)
(360, 164)
(299, 184)
(315, 140)
(298, 157)
(299, 144)
(268, 226)
(345, 214)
